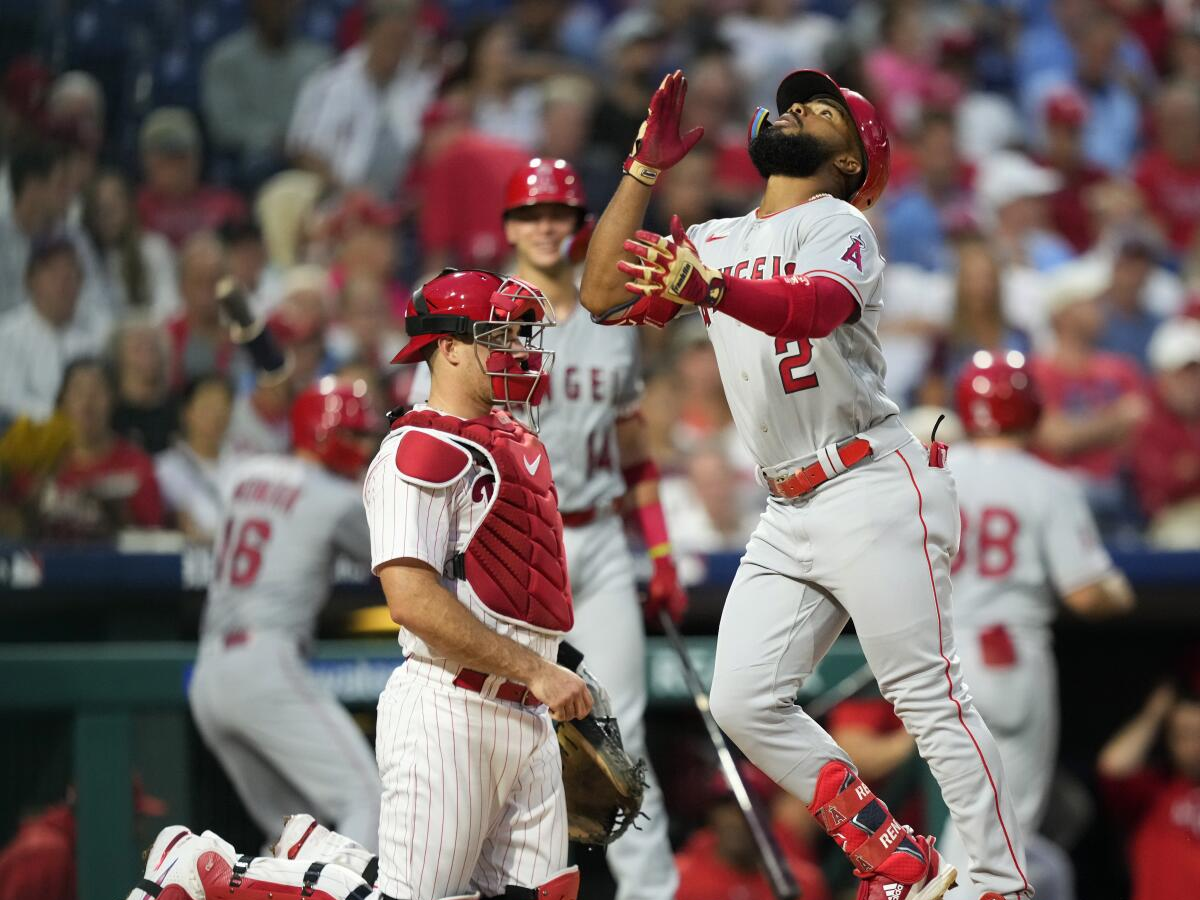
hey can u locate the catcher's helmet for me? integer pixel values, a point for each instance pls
(995, 394)
(804, 84)
(545, 181)
(478, 306)
(331, 419)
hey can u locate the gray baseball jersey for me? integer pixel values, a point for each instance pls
(1027, 534)
(594, 381)
(285, 521)
(791, 398)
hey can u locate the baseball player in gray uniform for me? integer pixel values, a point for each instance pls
(862, 522)
(285, 742)
(595, 437)
(1028, 538)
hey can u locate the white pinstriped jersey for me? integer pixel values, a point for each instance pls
(593, 382)
(1027, 534)
(790, 398)
(434, 525)
(285, 521)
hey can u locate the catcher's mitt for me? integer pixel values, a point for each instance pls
(604, 786)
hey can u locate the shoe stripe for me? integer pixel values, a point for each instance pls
(295, 848)
(949, 681)
(175, 840)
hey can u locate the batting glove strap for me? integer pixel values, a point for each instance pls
(658, 144)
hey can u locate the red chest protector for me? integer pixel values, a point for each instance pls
(515, 561)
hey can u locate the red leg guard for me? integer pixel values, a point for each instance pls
(860, 822)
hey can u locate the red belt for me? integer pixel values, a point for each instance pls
(512, 691)
(587, 516)
(813, 475)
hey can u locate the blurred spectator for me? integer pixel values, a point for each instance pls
(567, 104)
(1184, 52)
(26, 84)
(188, 472)
(362, 232)
(40, 860)
(1166, 455)
(248, 265)
(75, 111)
(720, 861)
(1168, 172)
(633, 50)
(771, 38)
(133, 269)
(1093, 401)
(199, 342)
(38, 176)
(920, 215)
(285, 207)
(104, 483)
(251, 81)
(920, 307)
(462, 228)
(902, 70)
(1113, 128)
(868, 729)
(1012, 192)
(710, 510)
(146, 412)
(173, 201)
(488, 84)
(1156, 804)
(978, 322)
(1064, 110)
(687, 192)
(365, 331)
(40, 337)
(1128, 325)
(357, 122)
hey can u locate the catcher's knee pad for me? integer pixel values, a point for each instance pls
(305, 838)
(177, 863)
(474, 896)
(562, 885)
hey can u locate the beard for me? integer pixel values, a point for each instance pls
(775, 152)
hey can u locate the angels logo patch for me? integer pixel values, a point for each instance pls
(853, 253)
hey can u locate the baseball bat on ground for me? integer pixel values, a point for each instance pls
(779, 874)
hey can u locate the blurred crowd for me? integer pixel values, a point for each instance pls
(330, 154)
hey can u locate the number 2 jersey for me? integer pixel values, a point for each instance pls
(1027, 536)
(285, 521)
(594, 383)
(791, 398)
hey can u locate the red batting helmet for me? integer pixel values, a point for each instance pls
(804, 84)
(475, 305)
(995, 394)
(331, 418)
(545, 181)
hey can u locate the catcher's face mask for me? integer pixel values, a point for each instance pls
(517, 364)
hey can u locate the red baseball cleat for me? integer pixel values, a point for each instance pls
(938, 877)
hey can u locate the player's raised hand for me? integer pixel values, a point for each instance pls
(563, 691)
(671, 268)
(659, 144)
(664, 593)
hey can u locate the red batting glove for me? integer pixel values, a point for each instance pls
(671, 269)
(659, 145)
(665, 592)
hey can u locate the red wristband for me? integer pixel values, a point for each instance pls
(637, 473)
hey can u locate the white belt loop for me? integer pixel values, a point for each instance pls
(831, 462)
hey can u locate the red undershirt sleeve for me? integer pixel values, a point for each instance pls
(791, 306)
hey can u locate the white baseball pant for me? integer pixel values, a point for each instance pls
(873, 544)
(473, 796)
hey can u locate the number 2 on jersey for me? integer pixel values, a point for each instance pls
(788, 366)
(241, 557)
(991, 549)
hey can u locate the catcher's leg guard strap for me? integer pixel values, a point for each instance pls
(563, 885)
(149, 888)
